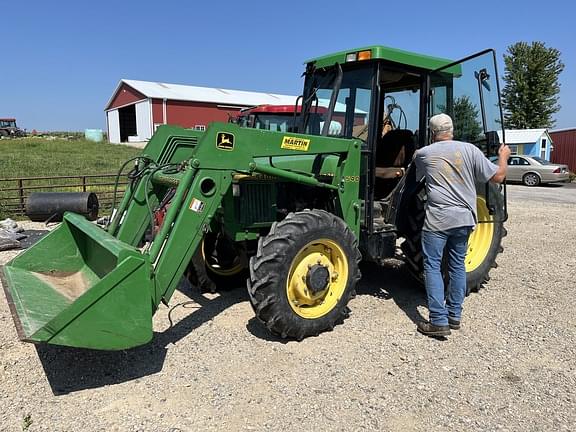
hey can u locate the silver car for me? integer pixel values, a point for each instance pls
(533, 170)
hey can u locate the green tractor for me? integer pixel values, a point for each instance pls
(290, 212)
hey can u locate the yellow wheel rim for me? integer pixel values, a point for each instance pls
(481, 238)
(302, 299)
(215, 268)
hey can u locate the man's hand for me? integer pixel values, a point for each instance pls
(504, 151)
(503, 155)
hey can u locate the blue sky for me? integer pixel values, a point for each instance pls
(62, 59)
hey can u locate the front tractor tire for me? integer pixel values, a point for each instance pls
(304, 274)
(484, 244)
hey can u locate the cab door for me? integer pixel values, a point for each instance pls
(468, 91)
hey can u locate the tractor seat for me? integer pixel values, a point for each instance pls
(395, 149)
(393, 154)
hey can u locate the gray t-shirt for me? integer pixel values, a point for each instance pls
(452, 169)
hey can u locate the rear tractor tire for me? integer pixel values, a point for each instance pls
(304, 274)
(219, 264)
(484, 244)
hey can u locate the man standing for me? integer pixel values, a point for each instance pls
(452, 169)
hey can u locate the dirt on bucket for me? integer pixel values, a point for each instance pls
(70, 284)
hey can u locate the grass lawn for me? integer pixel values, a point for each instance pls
(40, 157)
(30, 157)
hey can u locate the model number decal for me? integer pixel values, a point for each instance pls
(354, 179)
(295, 143)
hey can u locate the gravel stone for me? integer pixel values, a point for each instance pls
(510, 368)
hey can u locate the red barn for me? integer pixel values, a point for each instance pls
(564, 147)
(137, 108)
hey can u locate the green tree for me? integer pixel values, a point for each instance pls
(466, 125)
(530, 95)
(465, 115)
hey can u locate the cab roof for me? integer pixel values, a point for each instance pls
(379, 52)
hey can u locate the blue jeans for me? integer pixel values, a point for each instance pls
(456, 243)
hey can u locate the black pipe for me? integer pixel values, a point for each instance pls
(50, 206)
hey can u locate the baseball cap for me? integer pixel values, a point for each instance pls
(441, 123)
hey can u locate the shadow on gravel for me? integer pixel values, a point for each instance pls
(393, 282)
(71, 369)
(389, 282)
(256, 328)
(548, 185)
(558, 185)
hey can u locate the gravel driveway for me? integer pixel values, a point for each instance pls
(512, 366)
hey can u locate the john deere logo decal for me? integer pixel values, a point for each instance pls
(225, 141)
(295, 143)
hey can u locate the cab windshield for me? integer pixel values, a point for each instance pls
(346, 95)
(7, 123)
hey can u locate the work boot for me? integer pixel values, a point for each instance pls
(453, 323)
(429, 329)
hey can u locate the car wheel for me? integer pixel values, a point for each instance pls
(531, 179)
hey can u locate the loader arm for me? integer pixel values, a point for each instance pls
(205, 181)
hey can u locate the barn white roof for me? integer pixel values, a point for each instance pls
(522, 136)
(181, 92)
(563, 129)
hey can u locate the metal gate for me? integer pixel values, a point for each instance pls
(15, 191)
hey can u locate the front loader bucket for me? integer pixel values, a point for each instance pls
(80, 287)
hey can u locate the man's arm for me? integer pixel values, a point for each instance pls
(503, 155)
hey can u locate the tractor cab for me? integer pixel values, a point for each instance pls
(384, 97)
(8, 128)
(8, 123)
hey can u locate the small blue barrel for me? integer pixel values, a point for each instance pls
(95, 135)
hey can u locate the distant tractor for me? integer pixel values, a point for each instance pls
(279, 118)
(8, 129)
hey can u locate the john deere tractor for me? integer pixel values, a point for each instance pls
(291, 212)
